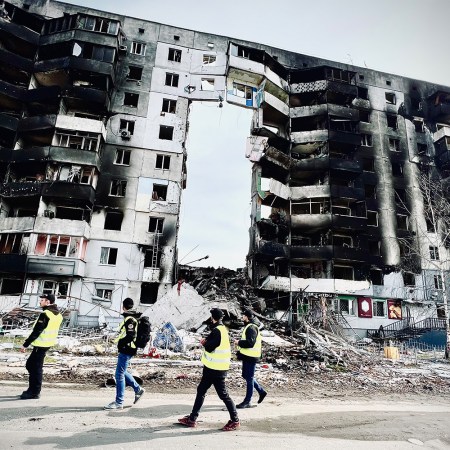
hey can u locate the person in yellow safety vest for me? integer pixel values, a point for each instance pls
(43, 336)
(216, 360)
(126, 347)
(249, 352)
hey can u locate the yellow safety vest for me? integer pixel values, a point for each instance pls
(220, 358)
(255, 351)
(123, 331)
(49, 336)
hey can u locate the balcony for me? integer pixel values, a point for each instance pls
(45, 225)
(338, 87)
(12, 263)
(20, 189)
(300, 138)
(321, 164)
(71, 193)
(54, 266)
(19, 63)
(44, 122)
(16, 224)
(8, 122)
(20, 32)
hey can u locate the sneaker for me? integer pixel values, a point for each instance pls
(113, 405)
(244, 405)
(28, 396)
(138, 395)
(232, 425)
(262, 396)
(187, 422)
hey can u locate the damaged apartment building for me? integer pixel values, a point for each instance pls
(94, 119)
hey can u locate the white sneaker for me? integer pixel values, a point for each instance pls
(113, 405)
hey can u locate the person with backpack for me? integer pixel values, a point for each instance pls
(126, 345)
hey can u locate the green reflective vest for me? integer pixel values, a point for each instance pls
(220, 358)
(255, 351)
(49, 336)
(123, 330)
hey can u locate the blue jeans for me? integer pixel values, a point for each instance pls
(248, 373)
(124, 378)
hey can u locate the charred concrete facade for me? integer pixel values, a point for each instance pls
(93, 123)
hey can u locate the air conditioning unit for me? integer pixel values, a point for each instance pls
(125, 134)
(123, 49)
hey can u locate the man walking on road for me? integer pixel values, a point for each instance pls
(216, 361)
(249, 352)
(43, 336)
(127, 349)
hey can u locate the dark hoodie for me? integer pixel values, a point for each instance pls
(41, 323)
(124, 345)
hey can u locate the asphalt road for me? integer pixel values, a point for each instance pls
(71, 418)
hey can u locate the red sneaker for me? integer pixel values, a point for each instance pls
(231, 425)
(187, 422)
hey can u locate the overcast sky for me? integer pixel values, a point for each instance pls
(404, 37)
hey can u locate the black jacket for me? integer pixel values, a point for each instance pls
(124, 344)
(212, 341)
(41, 323)
(251, 334)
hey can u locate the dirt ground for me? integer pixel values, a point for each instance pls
(391, 407)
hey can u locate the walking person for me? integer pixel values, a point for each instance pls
(43, 336)
(249, 352)
(216, 362)
(126, 346)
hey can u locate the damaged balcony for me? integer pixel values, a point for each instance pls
(13, 263)
(20, 189)
(72, 193)
(55, 266)
(439, 109)
(11, 97)
(18, 39)
(15, 69)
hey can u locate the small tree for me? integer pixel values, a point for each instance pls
(429, 209)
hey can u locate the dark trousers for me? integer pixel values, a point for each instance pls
(214, 378)
(34, 366)
(248, 374)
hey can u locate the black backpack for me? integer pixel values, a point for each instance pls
(143, 332)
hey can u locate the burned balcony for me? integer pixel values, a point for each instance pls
(44, 100)
(442, 147)
(19, 39)
(15, 69)
(20, 189)
(55, 266)
(11, 96)
(73, 194)
(439, 108)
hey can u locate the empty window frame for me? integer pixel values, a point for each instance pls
(437, 281)
(209, 59)
(159, 192)
(79, 140)
(366, 140)
(98, 24)
(391, 121)
(242, 91)
(243, 52)
(402, 222)
(118, 188)
(434, 253)
(113, 220)
(397, 169)
(108, 256)
(368, 164)
(376, 276)
(311, 206)
(127, 125)
(58, 288)
(394, 145)
(122, 157)
(131, 99)
(390, 98)
(372, 218)
(374, 248)
(64, 246)
(11, 243)
(172, 79)
(363, 92)
(165, 132)
(162, 162)
(341, 208)
(134, 73)
(207, 84)
(137, 48)
(87, 175)
(169, 106)
(152, 257)
(416, 104)
(379, 308)
(174, 55)
(364, 116)
(155, 225)
(418, 125)
(409, 279)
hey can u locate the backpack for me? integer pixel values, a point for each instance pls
(143, 332)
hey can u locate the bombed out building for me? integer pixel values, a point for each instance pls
(94, 111)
